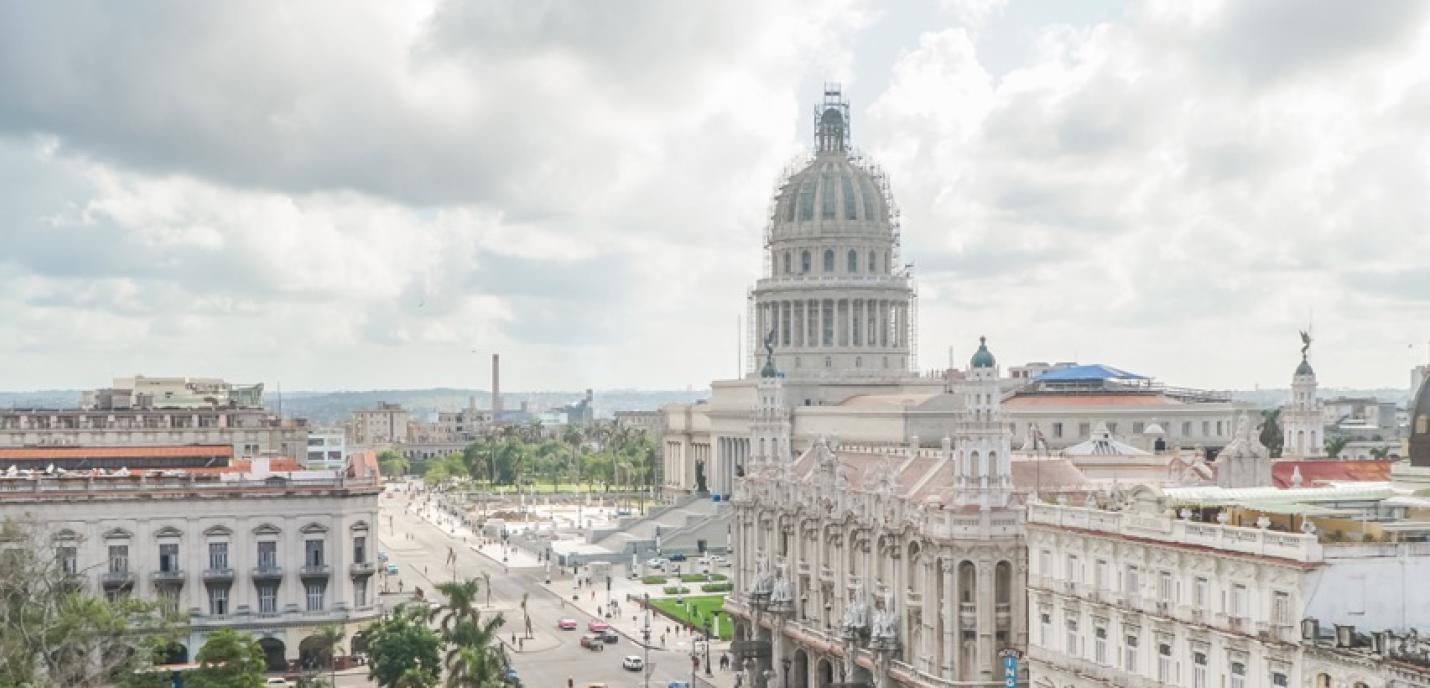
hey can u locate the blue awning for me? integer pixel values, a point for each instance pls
(1096, 371)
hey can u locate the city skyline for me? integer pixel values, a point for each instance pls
(1161, 188)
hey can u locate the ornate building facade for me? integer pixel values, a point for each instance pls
(878, 566)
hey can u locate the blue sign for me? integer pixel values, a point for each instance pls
(1010, 668)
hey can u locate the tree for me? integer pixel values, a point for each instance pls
(1334, 445)
(228, 659)
(392, 463)
(461, 602)
(1271, 436)
(329, 638)
(476, 658)
(53, 633)
(403, 650)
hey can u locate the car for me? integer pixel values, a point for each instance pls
(610, 636)
(509, 676)
(593, 642)
(632, 663)
(276, 682)
(677, 557)
(677, 684)
(567, 624)
(595, 626)
(719, 561)
(391, 568)
(656, 563)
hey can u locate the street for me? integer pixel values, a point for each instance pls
(550, 656)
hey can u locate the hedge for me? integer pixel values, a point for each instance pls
(717, 587)
(676, 590)
(654, 580)
(700, 577)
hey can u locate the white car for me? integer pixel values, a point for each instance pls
(633, 663)
(657, 563)
(719, 561)
(277, 683)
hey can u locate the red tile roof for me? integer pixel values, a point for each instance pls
(1314, 472)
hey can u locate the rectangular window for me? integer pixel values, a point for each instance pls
(1219, 428)
(360, 594)
(267, 555)
(1238, 675)
(218, 601)
(1057, 429)
(1199, 593)
(1164, 664)
(1199, 670)
(1237, 604)
(360, 550)
(1186, 428)
(1137, 428)
(218, 555)
(69, 560)
(1129, 659)
(1164, 586)
(1279, 680)
(169, 557)
(315, 595)
(1129, 581)
(826, 198)
(1084, 430)
(1206, 428)
(1112, 428)
(1280, 608)
(267, 599)
(1072, 638)
(313, 552)
(1074, 569)
(1045, 563)
(119, 558)
(1099, 645)
(1045, 628)
(827, 318)
(1099, 574)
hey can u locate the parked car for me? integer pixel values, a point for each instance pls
(595, 626)
(656, 563)
(391, 568)
(509, 676)
(277, 682)
(593, 642)
(610, 635)
(633, 663)
(719, 561)
(567, 624)
(677, 557)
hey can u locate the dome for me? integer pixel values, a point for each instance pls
(1304, 369)
(832, 194)
(1420, 427)
(983, 358)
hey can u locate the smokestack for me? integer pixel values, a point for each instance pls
(496, 384)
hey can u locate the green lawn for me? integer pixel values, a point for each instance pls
(700, 607)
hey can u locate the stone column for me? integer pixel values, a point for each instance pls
(986, 621)
(948, 651)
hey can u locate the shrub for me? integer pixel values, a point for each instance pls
(676, 590)
(654, 580)
(700, 577)
(717, 587)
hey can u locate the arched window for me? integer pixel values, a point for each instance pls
(873, 262)
(829, 260)
(787, 262)
(853, 261)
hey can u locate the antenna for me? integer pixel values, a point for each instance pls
(280, 400)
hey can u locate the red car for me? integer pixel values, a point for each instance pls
(567, 624)
(595, 626)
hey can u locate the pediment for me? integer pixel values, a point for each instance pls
(360, 525)
(315, 527)
(66, 534)
(216, 531)
(267, 529)
(117, 534)
(168, 532)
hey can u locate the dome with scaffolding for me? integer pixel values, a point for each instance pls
(836, 301)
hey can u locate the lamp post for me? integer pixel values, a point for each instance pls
(784, 663)
(708, 672)
(827, 609)
(645, 637)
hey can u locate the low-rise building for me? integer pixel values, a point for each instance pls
(381, 425)
(250, 431)
(327, 449)
(140, 392)
(256, 545)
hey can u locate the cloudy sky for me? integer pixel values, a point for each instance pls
(332, 195)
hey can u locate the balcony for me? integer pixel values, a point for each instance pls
(967, 614)
(268, 573)
(362, 568)
(220, 575)
(116, 579)
(1002, 614)
(170, 577)
(315, 571)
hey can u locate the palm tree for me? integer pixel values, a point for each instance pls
(461, 602)
(476, 658)
(412, 678)
(329, 638)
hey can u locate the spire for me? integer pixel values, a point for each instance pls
(831, 121)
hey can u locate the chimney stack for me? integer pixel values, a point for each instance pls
(496, 384)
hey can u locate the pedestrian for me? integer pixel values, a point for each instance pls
(593, 595)
(662, 640)
(513, 638)
(520, 643)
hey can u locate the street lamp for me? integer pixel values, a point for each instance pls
(708, 672)
(785, 663)
(645, 637)
(827, 609)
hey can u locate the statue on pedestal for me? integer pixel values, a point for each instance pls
(885, 633)
(782, 594)
(700, 476)
(856, 614)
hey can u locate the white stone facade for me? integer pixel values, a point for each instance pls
(275, 558)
